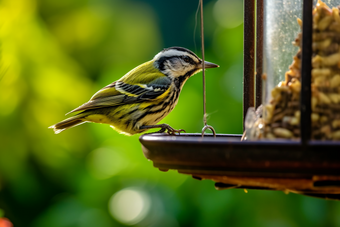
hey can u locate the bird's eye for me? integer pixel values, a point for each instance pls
(186, 59)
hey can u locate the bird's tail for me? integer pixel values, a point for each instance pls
(68, 123)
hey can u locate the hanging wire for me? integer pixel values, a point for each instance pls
(206, 126)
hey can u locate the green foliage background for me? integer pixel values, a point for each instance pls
(55, 55)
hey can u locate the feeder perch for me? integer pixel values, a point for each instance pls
(304, 162)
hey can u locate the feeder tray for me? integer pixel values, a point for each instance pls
(232, 163)
(304, 166)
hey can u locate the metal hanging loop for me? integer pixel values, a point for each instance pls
(208, 127)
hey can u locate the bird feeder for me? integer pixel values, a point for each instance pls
(292, 142)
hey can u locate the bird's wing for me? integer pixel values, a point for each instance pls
(120, 93)
(135, 82)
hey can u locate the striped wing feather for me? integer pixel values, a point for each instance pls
(142, 83)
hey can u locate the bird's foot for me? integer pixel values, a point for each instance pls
(164, 128)
(170, 130)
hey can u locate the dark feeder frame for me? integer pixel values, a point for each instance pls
(308, 167)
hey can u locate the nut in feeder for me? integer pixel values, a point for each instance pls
(281, 108)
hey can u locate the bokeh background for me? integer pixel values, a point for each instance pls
(55, 54)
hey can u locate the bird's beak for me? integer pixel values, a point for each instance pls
(207, 65)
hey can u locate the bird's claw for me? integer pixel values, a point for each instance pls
(172, 131)
(164, 128)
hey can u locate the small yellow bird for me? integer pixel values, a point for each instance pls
(141, 98)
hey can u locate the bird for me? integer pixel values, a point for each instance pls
(142, 97)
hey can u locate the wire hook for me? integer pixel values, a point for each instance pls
(206, 126)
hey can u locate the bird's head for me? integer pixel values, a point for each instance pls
(178, 62)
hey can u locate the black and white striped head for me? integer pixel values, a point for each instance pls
(178, 62)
